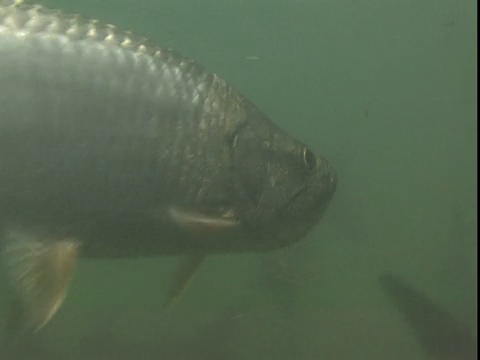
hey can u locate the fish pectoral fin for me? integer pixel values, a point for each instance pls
(184, 274)
(204, 221)
(42, 272)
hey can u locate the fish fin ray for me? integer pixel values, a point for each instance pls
(184, 274)
(203, 221)
(42, 272)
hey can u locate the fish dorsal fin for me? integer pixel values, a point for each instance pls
(186, 270)
(42, 272)
(203, 221)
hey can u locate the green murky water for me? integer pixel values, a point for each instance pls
(387, 91)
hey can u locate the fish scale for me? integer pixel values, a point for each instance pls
(138, 71)
(113, 147)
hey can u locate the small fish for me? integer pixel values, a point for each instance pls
(442, 336)
(111, 147)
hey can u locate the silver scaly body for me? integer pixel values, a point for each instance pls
(110, 147)
(111, 117)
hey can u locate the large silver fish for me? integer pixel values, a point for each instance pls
(111, 147)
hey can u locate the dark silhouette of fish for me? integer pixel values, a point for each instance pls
(442, 336)
(113, 147)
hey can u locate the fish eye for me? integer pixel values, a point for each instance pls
(309, 160)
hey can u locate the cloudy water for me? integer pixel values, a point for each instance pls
(384, 89)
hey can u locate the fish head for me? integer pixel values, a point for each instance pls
(286, 187)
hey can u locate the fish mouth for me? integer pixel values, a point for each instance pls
(309, 202)
(314, 196)
(299, 192)
(300, 211)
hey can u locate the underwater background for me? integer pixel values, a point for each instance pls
(386, 90)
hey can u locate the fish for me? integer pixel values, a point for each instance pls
(441, 335)
(113, 147)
